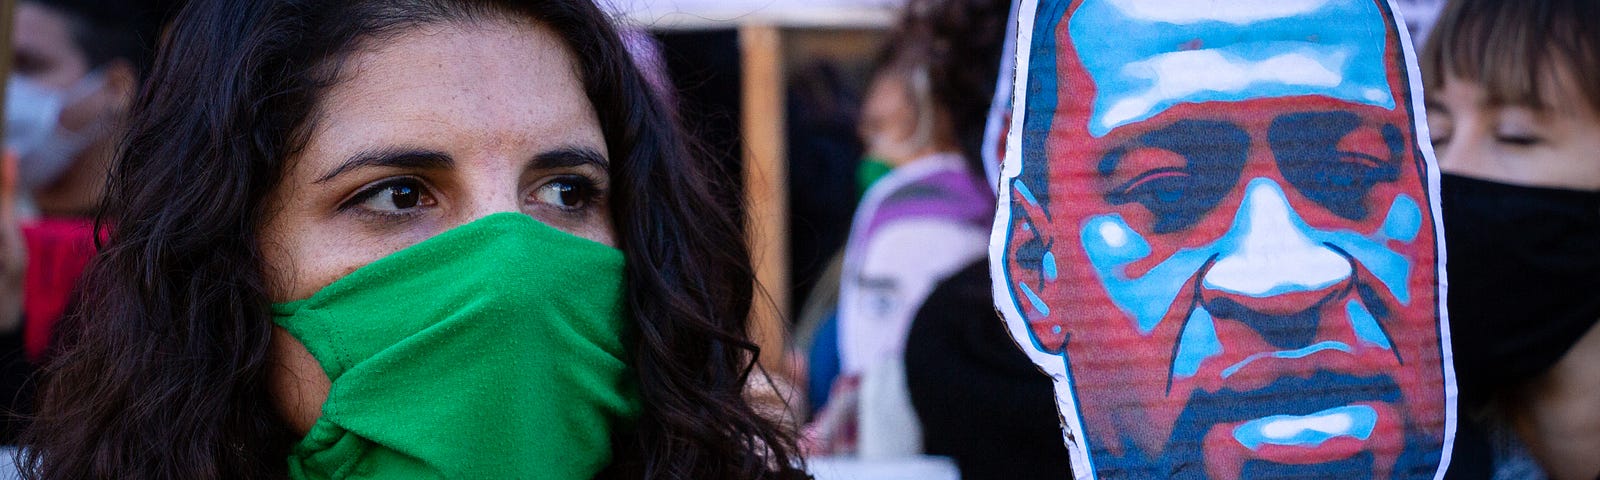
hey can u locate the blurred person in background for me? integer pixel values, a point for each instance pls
(76, 65)
(947, 379)
(978, 398)
(915, 225)
(823, 109)
(1514, 112)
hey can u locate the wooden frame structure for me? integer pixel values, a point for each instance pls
(765, 30)
(8, 9)
(766, 185)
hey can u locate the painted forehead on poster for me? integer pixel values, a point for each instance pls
(1146, 56)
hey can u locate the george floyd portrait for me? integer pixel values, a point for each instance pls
(1217, 232)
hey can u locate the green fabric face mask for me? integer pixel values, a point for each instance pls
(871, 169)
(493, 350)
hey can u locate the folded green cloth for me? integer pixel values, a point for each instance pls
(493, 350)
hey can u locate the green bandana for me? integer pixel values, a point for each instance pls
(871, 169)
(493, 350)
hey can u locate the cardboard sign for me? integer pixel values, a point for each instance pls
(1217, 231)
(997, 125)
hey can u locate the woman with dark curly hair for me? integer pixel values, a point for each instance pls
(406, 238)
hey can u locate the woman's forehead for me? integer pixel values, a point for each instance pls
(483, 84)
(1555, 90)
(1150, 61)
(428, 56)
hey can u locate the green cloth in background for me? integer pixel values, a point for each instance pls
(871, 169)
(493, 350)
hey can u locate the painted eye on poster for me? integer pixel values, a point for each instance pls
(1217, 231)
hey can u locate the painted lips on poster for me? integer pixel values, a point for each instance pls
(1218, 232)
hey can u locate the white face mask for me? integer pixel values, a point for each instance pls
(33, 129)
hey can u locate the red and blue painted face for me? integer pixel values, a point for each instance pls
(1229, 241)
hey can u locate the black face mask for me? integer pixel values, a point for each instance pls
(1524, 277)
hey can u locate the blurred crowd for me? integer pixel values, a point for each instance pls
(897, 349)
(75, 68)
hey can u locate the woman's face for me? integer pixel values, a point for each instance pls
(1554, 145)
(889, 121)
(426, 131)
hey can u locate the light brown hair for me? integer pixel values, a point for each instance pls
(1511, 46)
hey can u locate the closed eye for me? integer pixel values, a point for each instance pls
(1517, 126)
(1364, 159)
(1179, 172)
(1518, 140)
(1335, 158)
(1147, 179)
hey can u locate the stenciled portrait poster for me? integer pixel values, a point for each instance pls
(1218, 232)
(998, 122)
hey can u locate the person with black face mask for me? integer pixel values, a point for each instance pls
(1515, 118)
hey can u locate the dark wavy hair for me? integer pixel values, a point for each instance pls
(164, 371)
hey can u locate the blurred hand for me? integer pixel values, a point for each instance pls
(13, 250)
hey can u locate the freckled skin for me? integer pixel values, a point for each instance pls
(491, 96)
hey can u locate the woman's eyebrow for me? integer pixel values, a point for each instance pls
(391, 157)
(569, 157)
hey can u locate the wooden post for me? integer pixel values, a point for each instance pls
(8, 10)
(766, 186)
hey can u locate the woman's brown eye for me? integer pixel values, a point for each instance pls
(564, 194)
(404, 196)
(396, 196)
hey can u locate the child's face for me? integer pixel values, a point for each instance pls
(1555, 145)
